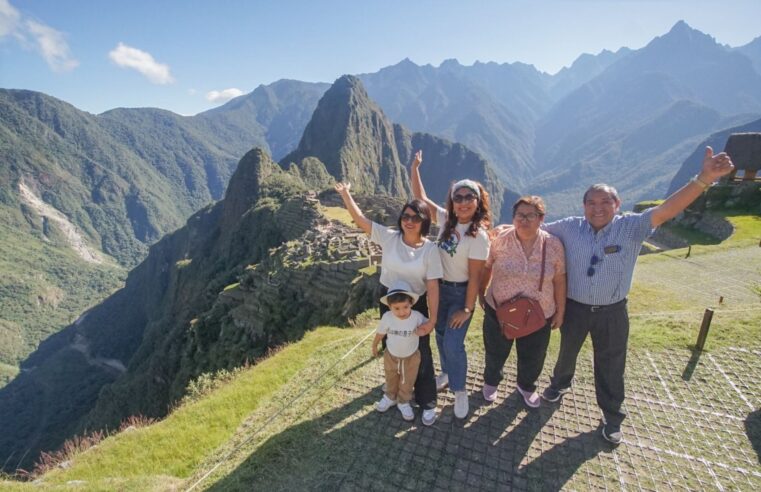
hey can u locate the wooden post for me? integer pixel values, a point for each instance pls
(721, 299)
(707, 317)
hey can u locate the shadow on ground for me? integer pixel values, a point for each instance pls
(753, 430)
(354, 447)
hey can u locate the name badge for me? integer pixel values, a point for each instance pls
(612, 249)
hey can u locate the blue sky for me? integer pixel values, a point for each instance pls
(189, 56)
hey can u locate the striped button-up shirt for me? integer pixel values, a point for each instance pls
(613, 250)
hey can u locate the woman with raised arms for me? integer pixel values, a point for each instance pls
(410, 257)
(463, 247)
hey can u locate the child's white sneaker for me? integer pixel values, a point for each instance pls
(406, 411)
(385, 403)
(461, 406)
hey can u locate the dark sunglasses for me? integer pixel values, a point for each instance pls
(464, 198)
(415, 219)
(594, 261)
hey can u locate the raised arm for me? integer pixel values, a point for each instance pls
(356, 214)
(714, 167)
(417, 184)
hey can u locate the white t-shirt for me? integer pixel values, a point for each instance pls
(458, 249)
(402, 262)
(401, 340)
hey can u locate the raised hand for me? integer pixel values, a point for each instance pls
(417, 158)
(342, 188)
(715, 166)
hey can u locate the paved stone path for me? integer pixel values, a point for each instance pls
(688, 426)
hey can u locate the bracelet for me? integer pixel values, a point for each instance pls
(703, 185)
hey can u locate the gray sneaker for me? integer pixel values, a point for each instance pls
(429, 416)
(611, 433)
(552, 395)
(461, 406)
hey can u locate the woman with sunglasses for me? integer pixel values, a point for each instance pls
(463, 247)
(408, 256)
(520, 258)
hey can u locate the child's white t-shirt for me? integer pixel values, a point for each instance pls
(458, 249)
(401, 339)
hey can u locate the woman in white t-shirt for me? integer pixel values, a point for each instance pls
(464, 248)
(408, 256)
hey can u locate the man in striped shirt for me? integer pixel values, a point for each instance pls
(601, 250)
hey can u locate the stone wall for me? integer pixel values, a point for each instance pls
(318, 277)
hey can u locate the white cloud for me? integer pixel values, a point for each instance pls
(52, 46)
(32, 34)
(9, 18)
(129, 57)
(223, 96)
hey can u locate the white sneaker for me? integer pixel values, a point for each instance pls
(442, 381)
(384, 404)
(461, 406)
(406, 410)
(429, 416)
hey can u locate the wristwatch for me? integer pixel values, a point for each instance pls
(468, 310)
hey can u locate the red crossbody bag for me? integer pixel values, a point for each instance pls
(521, 316)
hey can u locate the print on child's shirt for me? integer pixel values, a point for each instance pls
(401, 333)
(450, 245)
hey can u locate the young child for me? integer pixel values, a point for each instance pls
(402, 357)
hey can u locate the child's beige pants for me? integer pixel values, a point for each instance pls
(401, 373)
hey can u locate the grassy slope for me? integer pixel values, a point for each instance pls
(165, 454)
(680, 327)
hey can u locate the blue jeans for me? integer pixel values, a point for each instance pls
(451, 342)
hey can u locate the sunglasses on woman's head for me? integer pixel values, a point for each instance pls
(464, 198)
(415, 219)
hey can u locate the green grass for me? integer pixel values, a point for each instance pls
(338, 213)
(747, 228)
(681, 328)
(170, 450)
(7, 372)
(232, 286)
(369, 270)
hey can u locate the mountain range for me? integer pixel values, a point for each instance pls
(237, 280)
(84, 198)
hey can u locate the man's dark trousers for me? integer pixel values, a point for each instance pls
(609, 329)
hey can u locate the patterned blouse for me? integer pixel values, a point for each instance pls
(514, 274)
